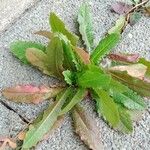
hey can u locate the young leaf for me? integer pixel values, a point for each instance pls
(58, 26)
(55, 56)
(125, 124)
(42, 126)
(120, 7)
(30, 93)
(44, 33)
(104, 47)
(142, 87)
(135, 17)
(39, 59)
(18, 48)
(118, 26)
(86, 128)
(135, 70)
(107, 107)
(85, 26)
(127, 58)
(90, 79)
(68, 77)
(79, 95)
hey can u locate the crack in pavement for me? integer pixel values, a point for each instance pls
(10, 108)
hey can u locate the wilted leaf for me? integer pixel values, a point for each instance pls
(135, 70)
(78, 96)
(18, 48)
(147, 11)
(44, 33)
(84, 56)
(135, 17)
(58, 26)
(6, 141)
(37, 130)
(125, 124)
(55, 56)
(21, 135)
(39, 59)
(107, 107)
(86, 128)
(30, 93)
(104, 47)
(120, 7)
(129, 58)
(85, 26)
(118, 26)
(142, 87)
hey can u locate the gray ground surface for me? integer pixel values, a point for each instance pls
(135, 39)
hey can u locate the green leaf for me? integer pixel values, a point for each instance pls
(30, 93)
(18, 48)
(79, 95)
(39, 129)
(58, 26)
(118, 26)
(135, 1)
(104, 47)
(85, 26)
(107, 107)
(55, 56)
(142, 87)
(129, 99)
(125, 124)
(86, 128)
(93, 79)
(70, 59)
(69, 77)
(135, 17)
(38, 59)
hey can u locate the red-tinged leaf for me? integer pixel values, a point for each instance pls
(21, 135)
(135, 70)
(45, 33)
(86, 128)
(30, 93)
(129, 58)
(84, 56)
(7, 141)
(142, 87)
(120, 7)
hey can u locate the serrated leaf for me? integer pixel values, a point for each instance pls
(18, 48)
(40, 128)
(127, 58)
(55, 56)
(107, 107)
(104, 47)
(125, 124)
(93, 79)
(68, 77)
(118, 26)
(58, 26)
(135, 17)
(86, 128)
(120, 7)
(85, 26)
(78, 96)
(30, 93)
(134, 70)
(142, 87)
(39, 59)
(45, 33)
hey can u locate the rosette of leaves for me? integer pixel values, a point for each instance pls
(116, 89)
